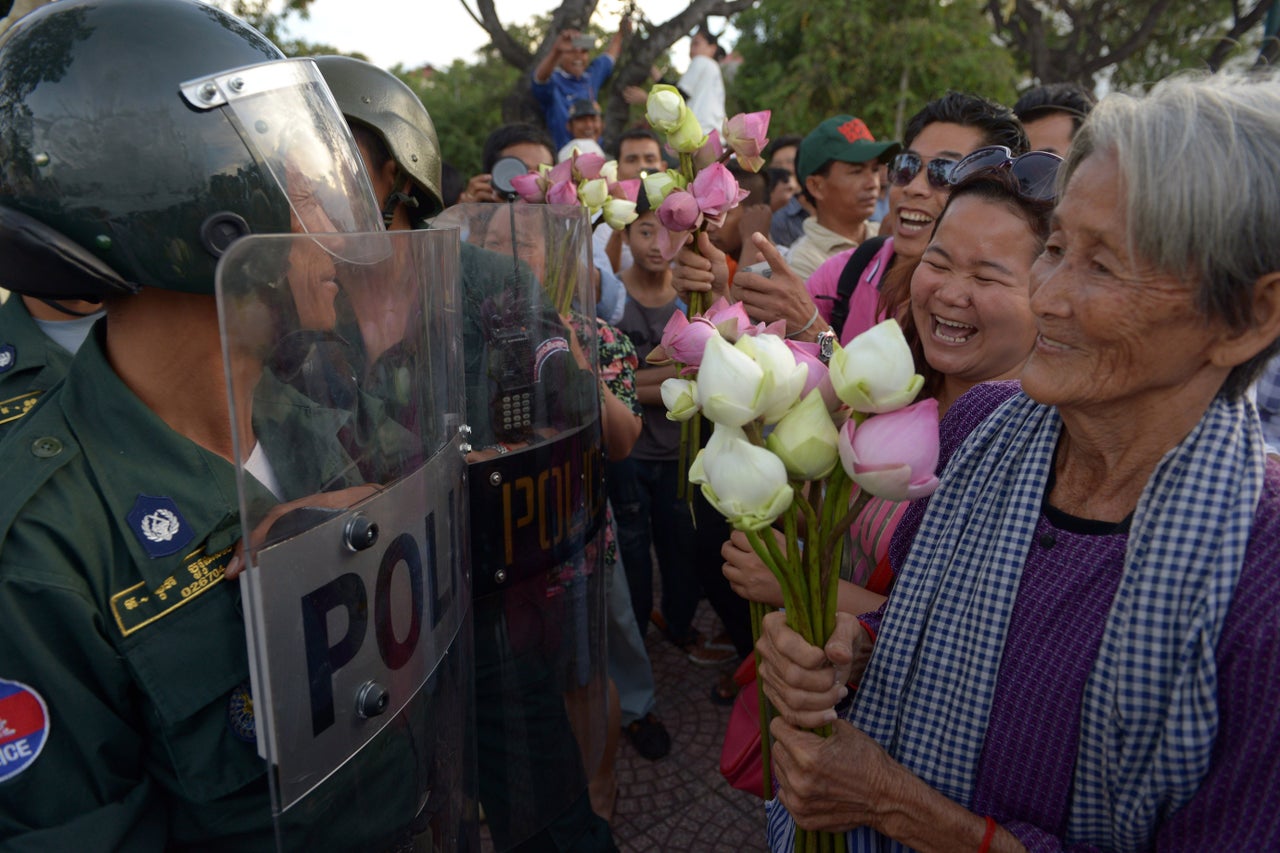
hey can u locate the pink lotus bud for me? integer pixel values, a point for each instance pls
(532, 188)
(731, 321)
(562, 192)
(684, 339)
(680, 211)
(588, 165)
(716, 191)
(746, 134)
(628, 189)
(562, 171)
(819, 377)
(669, 242)
(710, 151)
(894, 455)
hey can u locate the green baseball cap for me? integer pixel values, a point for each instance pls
(842, 138)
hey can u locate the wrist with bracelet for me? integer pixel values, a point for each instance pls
(806, 326)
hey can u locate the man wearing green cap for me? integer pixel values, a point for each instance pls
(838, 166)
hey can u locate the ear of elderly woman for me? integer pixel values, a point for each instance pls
(1081, 645)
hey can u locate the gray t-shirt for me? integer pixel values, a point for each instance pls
(659, 437)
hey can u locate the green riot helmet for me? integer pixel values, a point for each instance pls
(138, 138)
(379, 101)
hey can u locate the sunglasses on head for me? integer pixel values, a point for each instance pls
(1036, 171)
(905, 166)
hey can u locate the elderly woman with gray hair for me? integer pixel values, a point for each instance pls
(1083, 648)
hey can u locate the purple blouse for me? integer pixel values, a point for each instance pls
(1072, 572)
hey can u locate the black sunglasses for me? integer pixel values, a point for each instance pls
(905, 166)
(1036, 171)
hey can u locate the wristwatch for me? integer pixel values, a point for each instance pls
(826, 345)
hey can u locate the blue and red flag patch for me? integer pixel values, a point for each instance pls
(24, 727)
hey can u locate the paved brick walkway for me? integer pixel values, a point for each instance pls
(681, 802)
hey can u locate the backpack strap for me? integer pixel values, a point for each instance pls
(849, 276)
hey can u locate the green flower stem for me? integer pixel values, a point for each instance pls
(811, 571)
(682, 468)
(758, 610)
(860, 503)
(796, 589)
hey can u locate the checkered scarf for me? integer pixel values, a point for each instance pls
(1155, 670)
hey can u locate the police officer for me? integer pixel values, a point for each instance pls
(526, 730)
(37, 340)
(130, 166)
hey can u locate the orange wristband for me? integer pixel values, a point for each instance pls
(985, 846)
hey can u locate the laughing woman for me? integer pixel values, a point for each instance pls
(1081, 650)
(970, 321)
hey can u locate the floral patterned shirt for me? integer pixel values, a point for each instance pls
(618, 363)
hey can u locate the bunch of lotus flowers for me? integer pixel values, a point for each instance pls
(586, 179)
(783, 417)
(702, 191)
(794, 438)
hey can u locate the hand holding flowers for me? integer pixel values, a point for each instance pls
(801, 445)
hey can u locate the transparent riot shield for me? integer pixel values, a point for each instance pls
(346, 392)
(537, 509)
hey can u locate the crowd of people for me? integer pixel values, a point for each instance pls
(1070, 645)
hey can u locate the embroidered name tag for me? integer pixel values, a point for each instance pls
(16, 407)
(139, 606)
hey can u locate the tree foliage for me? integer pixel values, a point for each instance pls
(1132, 42)
(809, 59)
(465, 101)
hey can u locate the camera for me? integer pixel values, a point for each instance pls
(584, 42)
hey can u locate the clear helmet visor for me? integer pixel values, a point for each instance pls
(290, 123)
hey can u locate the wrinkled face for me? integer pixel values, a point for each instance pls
(530, 243)
(1113, 331)
(636, 156)
(848, 192)
(913, 208)
(311, 274)
(1052, 133)
(970, 295)
(586, 127)
(642, 237)
(531, 154)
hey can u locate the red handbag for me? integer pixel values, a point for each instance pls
(741, 762)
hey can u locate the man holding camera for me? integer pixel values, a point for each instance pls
(564, 75)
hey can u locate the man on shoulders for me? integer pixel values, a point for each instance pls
(838, 166)
(565, 75)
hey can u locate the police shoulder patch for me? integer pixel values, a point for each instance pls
(24, 727)
(8, 357)
(159, 526)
